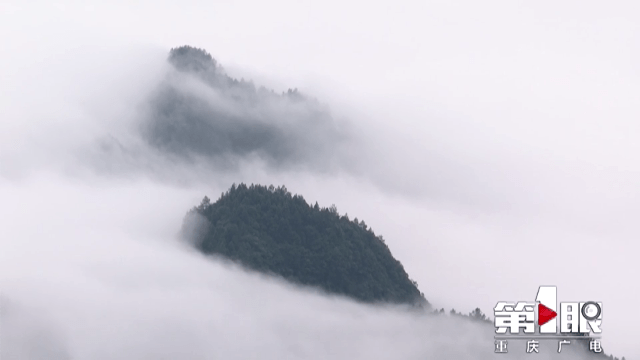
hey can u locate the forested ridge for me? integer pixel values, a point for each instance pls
(270, 230)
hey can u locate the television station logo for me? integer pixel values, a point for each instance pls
(578, 321)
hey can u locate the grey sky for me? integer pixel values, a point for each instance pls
(488, 132)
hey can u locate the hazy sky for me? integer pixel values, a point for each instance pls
(484, 135)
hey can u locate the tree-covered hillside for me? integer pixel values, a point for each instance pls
(270, 230)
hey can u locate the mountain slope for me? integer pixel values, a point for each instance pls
(270, 230)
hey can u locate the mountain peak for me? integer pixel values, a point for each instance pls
(189, 58)
(268, 229)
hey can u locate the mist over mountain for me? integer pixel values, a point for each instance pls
(493, 144)
(271, 231)
(201, 113)
(102, 264)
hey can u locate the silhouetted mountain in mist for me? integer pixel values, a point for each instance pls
(273, 231)
(200, 113)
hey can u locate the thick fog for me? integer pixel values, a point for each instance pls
(94, 271)
(493, 145)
